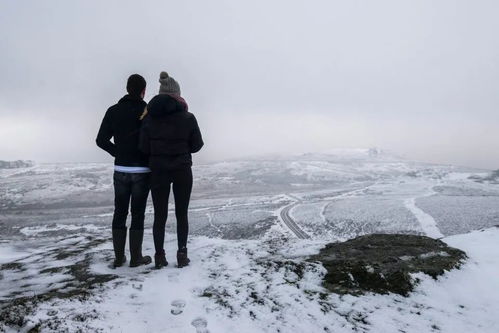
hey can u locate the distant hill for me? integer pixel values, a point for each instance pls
(335, 154)
(16, 164)
(353, 154)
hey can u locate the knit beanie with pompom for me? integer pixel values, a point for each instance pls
(168, 84)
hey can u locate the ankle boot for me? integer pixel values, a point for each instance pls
(160, 260)
(119, 241)
(136, 258)
(182, 259)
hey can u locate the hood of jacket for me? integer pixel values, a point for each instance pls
(165, 104)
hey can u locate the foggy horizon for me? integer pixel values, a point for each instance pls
(416, 78)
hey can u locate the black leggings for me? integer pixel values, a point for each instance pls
(160, 190)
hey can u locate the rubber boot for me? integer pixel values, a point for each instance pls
(160, 260)
(182, 259)
(136, 258)
(119, 241)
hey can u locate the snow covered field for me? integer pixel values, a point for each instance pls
(248, 272)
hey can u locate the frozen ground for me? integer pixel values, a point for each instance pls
(235, 285)
(248, 272)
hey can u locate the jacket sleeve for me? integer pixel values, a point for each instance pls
(144, 144)
(195, 140)
(104, 136)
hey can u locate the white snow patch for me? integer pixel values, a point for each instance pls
(31, 231)
(9, 253)
(433, 254)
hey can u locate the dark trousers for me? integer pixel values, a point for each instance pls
(128, 187)
(160, 189)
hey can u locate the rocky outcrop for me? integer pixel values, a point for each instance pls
(383, 263)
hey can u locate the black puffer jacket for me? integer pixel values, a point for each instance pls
(169, 133)
(122, 123)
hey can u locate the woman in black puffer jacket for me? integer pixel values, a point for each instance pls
(169, 135)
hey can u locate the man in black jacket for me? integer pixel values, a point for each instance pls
(131, 173)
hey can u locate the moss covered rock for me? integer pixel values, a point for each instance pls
(383, 263)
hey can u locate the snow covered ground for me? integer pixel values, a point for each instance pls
(253, 286)
(249, 271)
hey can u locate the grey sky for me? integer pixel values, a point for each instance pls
(417, 77)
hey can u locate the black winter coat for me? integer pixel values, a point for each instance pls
(122, 122)
(169, 134)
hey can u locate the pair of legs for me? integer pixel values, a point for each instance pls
(130, 190)
(128, 187)
(181, 181)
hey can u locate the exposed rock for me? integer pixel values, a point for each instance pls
(382, 263)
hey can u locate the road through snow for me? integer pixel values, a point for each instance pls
(293, 226)
(289, 221)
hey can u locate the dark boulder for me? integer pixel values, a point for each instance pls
(382, 263)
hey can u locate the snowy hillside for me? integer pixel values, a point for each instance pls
(253, 223)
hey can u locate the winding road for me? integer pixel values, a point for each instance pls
(289, 221)
(295, 228)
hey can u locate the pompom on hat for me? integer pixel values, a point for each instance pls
(168, 85)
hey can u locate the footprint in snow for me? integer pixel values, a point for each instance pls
(177, 306)
(200, 324)
(173, 277)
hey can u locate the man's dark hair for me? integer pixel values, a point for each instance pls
(135, 85)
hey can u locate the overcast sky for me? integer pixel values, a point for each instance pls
(418, 77)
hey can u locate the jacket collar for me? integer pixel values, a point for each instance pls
(131, 98)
